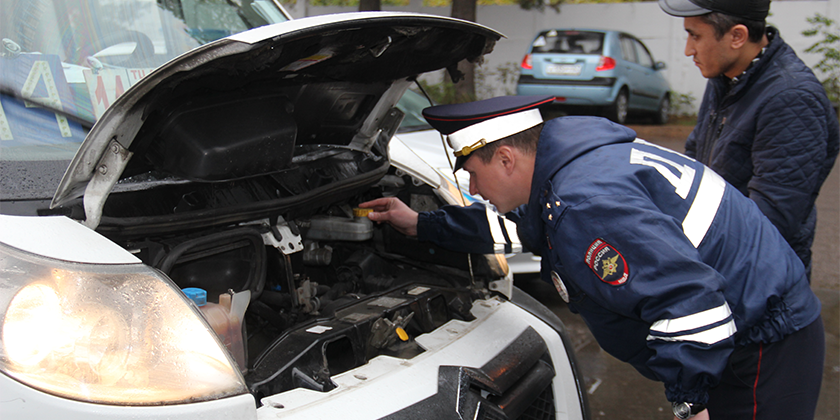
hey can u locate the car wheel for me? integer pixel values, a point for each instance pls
(617, 112)
(664, 112)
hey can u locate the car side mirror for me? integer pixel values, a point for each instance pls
(660, 65)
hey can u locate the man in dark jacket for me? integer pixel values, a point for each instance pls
(673, 270)
(765, 123)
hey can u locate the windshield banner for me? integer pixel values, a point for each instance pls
(106, 85)
(40, 117)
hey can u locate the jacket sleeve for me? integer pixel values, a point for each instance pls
(788, 152)
(476, 229)
(671, 307)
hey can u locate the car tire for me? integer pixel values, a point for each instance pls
(617, 111)
(664, 112)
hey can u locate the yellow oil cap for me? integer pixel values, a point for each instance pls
(402, 334)
(360, 212)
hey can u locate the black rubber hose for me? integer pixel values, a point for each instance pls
(256, 280)
(283, 300)
(276, 319)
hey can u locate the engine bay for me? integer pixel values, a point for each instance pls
(309, 296)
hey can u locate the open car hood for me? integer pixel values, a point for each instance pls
(263, 101)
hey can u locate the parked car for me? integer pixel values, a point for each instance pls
(427, 143)
(596, 71)
(202, 256)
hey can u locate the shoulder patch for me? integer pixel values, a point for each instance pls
(607, 263)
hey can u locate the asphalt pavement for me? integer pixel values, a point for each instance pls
(616, 391)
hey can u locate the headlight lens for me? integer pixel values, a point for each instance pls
(116, 334)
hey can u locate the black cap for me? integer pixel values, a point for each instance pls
(470, 126)
(746, 9)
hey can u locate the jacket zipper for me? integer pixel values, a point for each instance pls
(711, 138)
(714, 136)
(715, 140)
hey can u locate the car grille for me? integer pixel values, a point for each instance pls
(516, 384)
(542, 408)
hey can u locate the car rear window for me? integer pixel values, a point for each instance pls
(568, 42)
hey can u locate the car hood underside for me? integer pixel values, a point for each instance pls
(268, 101)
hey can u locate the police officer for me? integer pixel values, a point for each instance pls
(673, 270)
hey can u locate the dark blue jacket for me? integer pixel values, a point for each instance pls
(774, 136)
(669, 266)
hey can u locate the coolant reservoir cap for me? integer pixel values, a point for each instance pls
(360, 212)
(197, 295)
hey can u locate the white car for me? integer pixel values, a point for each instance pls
(203, 257)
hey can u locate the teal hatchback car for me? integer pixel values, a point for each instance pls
(595, 71)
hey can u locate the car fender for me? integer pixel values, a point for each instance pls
(620, 83)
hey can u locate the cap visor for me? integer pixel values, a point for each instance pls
(682, 8)
(459, 163)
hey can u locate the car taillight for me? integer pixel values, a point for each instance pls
(606, 63)
(526, 62)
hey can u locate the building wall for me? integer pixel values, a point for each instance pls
(664, 35)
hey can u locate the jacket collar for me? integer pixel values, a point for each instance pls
(564, 139)
(755, 69)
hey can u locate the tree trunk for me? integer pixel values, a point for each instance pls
(370, 5)
(465, 89)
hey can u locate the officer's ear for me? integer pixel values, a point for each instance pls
(507, 158)
(739, 36)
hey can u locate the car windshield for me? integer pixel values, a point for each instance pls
(65, 61)
(568, 42)
(412, 105)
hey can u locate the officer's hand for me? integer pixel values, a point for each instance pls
(703, 415)
(394, 212)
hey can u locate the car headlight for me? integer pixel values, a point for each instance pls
(115, 334)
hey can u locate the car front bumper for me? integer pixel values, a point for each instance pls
(474, 355)
(23, 402)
